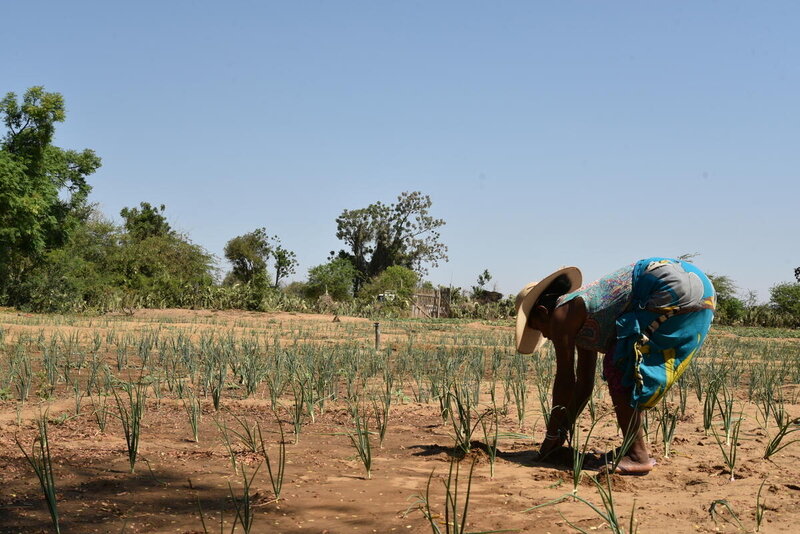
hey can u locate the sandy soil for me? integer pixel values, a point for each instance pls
(325, 489)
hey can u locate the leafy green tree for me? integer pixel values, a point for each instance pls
(484, 278)
(248, 253)
(285, 261)
(43, 188)
(729, 307)
(786, 298)
(158, 265)
(145, 221)
(724, 287)
(334, 278)
(383, 235)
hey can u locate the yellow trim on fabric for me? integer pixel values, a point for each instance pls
(654, 398)
(685, 363)
(671, 373)
(669, 367)
(669, 378)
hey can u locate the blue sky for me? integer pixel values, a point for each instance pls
(546, 133)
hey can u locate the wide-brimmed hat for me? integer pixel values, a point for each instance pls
(528, 339)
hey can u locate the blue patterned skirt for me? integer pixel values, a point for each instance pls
(663, 328)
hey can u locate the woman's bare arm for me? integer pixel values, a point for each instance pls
(569, 391)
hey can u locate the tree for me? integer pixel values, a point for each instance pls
(334, 278)
(43, 188)
(157, 264)
(146, 222)
(248, 254)
(484, 278)
(724, 287)
(797, 274)
(285, 261)
(382, 235)
(786, 298)
(729, 307)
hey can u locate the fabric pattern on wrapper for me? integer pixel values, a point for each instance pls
(672, 306)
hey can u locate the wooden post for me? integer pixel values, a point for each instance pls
(377, 336)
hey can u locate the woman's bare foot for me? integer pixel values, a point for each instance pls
(629, 466)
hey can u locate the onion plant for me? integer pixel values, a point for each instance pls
(50, 370)
(519, 385)
(131, 410)
(730, 447)
(761, 507)
(226, 441)
(381, 407)
(122, 356)
(41, 462)
(218, 372)
(360, 439)
(276, 379)
(77, 395)
(454, 515)
(253, 367)
(667, 423)
(725, 405)
(193, 412)
(490, 424)
(712, 511)
(462, 418)
(247, 434)
(710, 402)
(21, 369)
(579, 450)
(99, 410)
(244, 504)
(297, 409)
(276, 475)
(607, 511)
(785, 426)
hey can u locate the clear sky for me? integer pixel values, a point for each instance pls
(546, 133)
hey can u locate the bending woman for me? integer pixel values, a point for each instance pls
(648, 319)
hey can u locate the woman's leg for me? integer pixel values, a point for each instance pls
(637, 460)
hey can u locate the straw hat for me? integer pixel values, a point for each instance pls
(528, 339)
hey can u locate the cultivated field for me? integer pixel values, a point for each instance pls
(195, 421)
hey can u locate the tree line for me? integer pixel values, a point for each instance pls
(58, 253)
